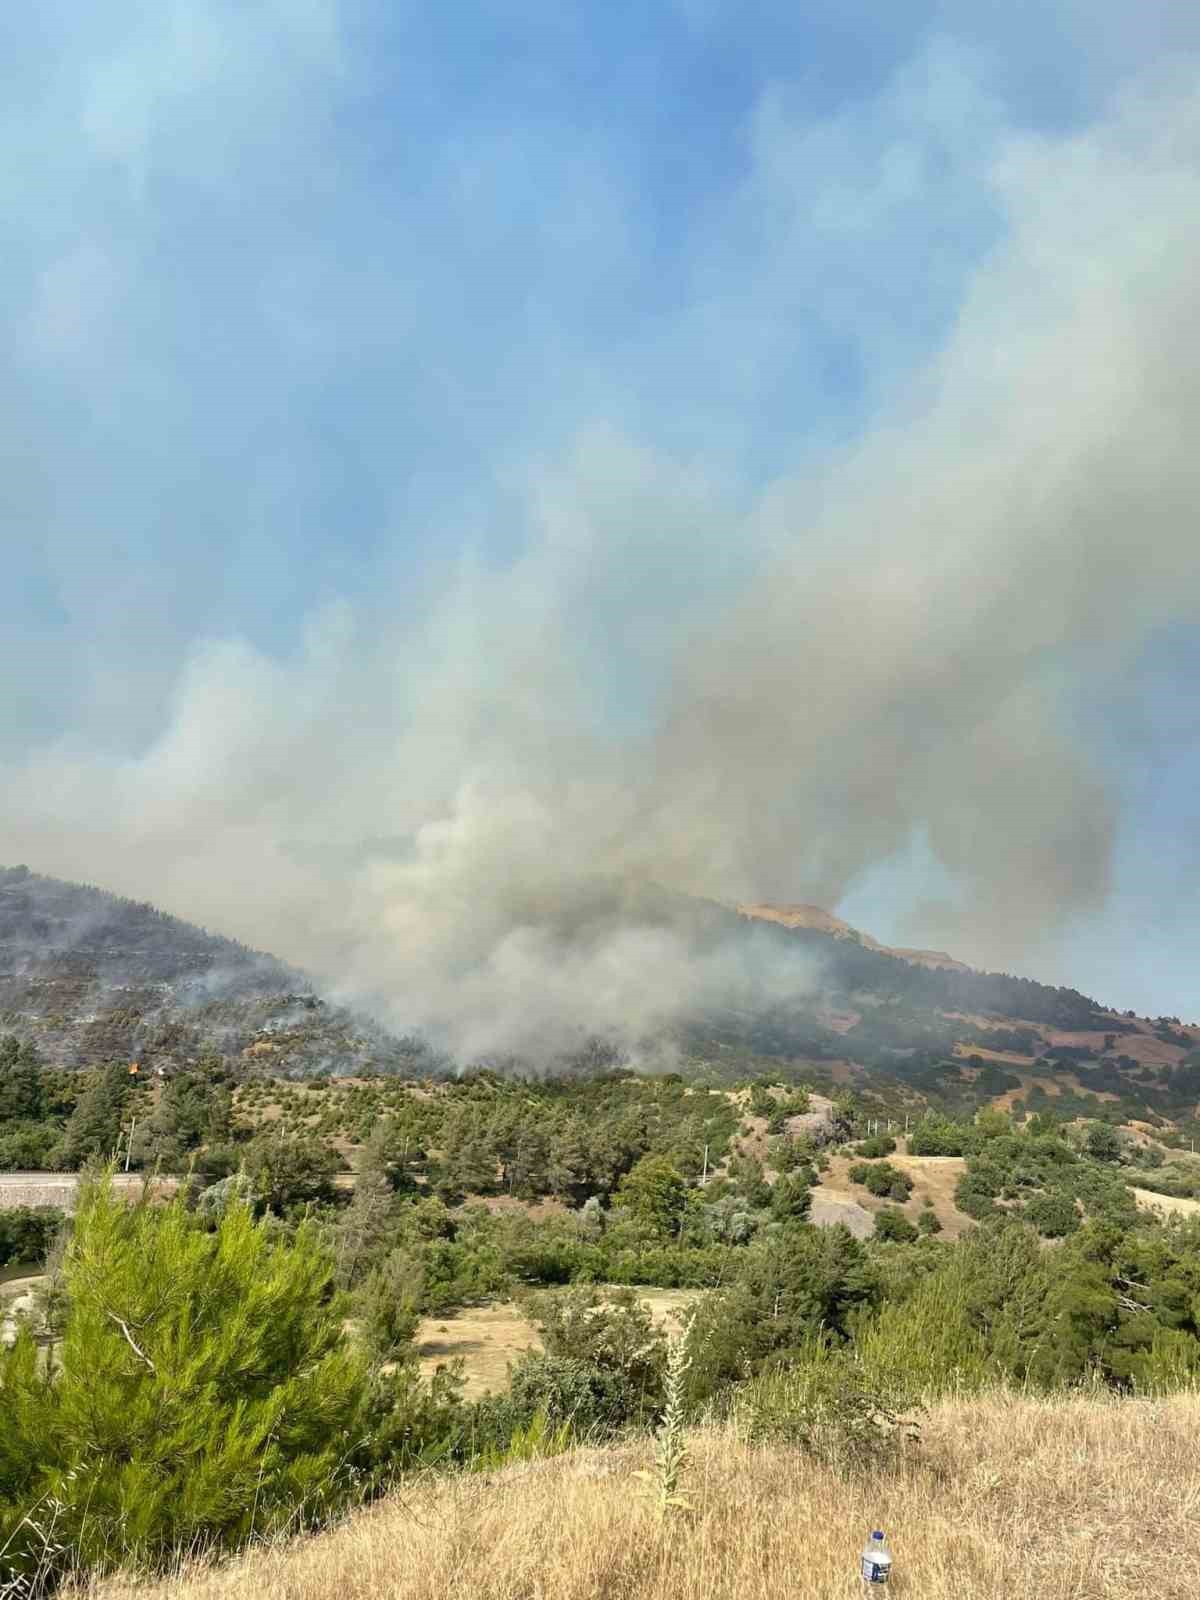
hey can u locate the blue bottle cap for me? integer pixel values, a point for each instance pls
(878, 1534)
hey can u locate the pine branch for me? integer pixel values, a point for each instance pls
(137, 1350)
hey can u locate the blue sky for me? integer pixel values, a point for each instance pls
(442, 381)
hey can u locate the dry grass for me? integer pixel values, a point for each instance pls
(1167, 1203)
(1006, 1499)
(933, 1176)
(487, 1338)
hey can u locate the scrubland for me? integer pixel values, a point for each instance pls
(1006, 1497)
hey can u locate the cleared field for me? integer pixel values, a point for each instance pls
(1006, 1498)
(488, 1338)
(1006, 1057)
(933, 1176)
(1166, 1202)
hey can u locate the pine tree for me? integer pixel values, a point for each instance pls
(22, 1096)
(202, 1392)
(363, 1226)
(94, 1128)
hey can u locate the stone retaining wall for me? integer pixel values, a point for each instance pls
(60, 1189)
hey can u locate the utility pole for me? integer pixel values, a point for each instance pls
(129, 1146)
(704, 1179)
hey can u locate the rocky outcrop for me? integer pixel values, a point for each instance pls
(820, 1123)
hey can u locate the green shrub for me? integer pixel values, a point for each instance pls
(881, 1145)
(928, 1222)
(791, 1196)
(26, 1234)
(601, 1365)
(828, 1405)
(1053, 1214)
(790, 1283)
(974, 1196)
(935, 1135)
(30, 1146)
(891, 1223)
(942, 1333)
(565, 1391)
(388, 1304)
(882, 1178)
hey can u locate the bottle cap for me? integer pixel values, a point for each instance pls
(878, 1534)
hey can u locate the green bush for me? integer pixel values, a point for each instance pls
(882, 1178)
(791, 1196)
(30, 1146)
(1053, 1214)
(881, 1145)
(26, 1234)
(891, 1223)
(928, 1222)
(388, 1304)
(828, 1405)
(974, 1196)
(935, 1135)
(792, 1282)
(601, 1365)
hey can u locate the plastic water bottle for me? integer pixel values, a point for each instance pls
(876, 1560)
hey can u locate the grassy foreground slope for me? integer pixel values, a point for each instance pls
(1007, 1498)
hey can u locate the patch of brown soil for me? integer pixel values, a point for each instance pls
(500, 1204)
(1148, 1051)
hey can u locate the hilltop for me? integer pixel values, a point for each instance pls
(825, 922)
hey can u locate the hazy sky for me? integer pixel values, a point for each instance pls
(450, 450)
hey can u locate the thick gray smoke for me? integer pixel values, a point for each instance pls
(930, 624)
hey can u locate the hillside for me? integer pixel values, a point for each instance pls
(89, 977)
(1005, 1497)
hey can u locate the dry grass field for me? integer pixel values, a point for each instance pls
(487, 1338)
(933, 1176)
(1007, 1498)
(1169, 1204)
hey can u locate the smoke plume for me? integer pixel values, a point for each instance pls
(451, 804)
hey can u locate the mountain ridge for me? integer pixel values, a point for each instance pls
(808, 916)
(88, 977)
